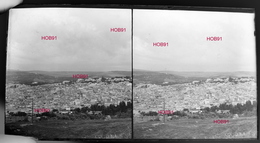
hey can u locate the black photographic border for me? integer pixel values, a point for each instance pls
(243, 6)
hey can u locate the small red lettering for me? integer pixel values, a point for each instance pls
(117, 29)
(214, 38)
(41, 110)
(49, 37)
(165, 112)
(221, 121)
(162, 44)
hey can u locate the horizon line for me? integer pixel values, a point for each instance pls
(69, 70)
(188, 71)
(124, 70)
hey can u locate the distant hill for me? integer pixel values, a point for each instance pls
(91, 74)
(213, 74)
(24, 77)
(44, 77)
(152, 77)
(174, 77)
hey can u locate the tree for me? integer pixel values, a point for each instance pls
(108, 111)
(103, 79)
(178, 113)
(103, 108)
(94, 107)
(122, 106)
(55, 110)
(129, 105)
(12, 113)
(142, 113)
(77, 110)
(240, 108)
(185, 109)
(230, 79)
(48, 114)
(84, 109)
(112, 108)
(235, 110)
(221, 106)
(207, 109)
(230, 107)
(249, 106)
(127, 77)
(254, 103)
(213, 108)
(21, 114)
(152, 113)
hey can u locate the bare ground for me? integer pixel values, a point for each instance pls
(78, 129)
(244, 127)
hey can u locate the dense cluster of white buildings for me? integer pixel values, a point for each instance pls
(194, 95)
(97, 80)
(63, 96)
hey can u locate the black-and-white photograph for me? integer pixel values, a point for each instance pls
(68, 73)
(194, 75)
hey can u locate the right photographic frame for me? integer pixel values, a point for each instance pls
(194, 74)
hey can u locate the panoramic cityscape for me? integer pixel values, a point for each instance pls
(64, 82)
(85, 75)
(194, 77)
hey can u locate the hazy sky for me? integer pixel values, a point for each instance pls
(188, 49)
(84, 41)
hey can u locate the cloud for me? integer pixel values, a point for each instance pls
(84, 40)
(186, 33)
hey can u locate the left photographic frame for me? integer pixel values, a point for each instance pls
(69, 74)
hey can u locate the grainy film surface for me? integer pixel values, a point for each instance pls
(194, 75)
(69, 73)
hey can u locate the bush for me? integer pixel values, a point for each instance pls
(91, 117)
(127, 114)
(205, 116)
(223, 115)
(83, 115)
(179, 113)
(72, 118)
(124, 115)
(65, 118)
(54, 118)
(249, 113)
(202, 117)
(59, 116)
(152, 113)
(195, 117)
(113, 117)
(212, 115)
(220, 115)
(157, 118)
(26, 120)
(48, 114)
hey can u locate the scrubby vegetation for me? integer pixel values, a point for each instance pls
(243, 110)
